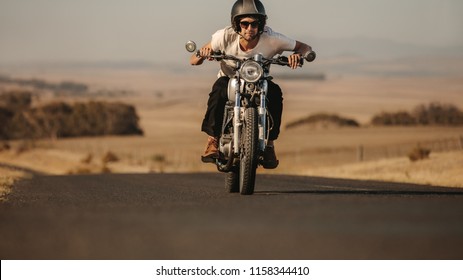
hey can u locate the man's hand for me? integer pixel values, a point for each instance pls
(294, 60)
(205, 52)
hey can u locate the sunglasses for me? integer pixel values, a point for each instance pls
(245, 24)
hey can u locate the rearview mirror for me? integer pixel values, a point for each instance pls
(190, 46)
(310, 56)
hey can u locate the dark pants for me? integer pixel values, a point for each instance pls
(212, 123)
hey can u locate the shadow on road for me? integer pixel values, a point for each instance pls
(329, 186)
(357, 192)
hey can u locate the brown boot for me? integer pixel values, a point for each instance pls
(212, 150)
(270, 160)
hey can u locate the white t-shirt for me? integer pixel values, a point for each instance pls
(270, 44)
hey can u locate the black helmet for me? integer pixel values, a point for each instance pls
(243, 8)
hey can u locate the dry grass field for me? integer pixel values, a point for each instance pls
(171, 106)
(7, 179)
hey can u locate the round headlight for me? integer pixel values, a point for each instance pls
(251, 71)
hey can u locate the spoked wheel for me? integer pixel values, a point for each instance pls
(232, 180)
(248, 163)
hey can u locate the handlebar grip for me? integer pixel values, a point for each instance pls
(198, 53)
(285, 61)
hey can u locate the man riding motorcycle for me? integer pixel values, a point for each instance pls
(248, 35)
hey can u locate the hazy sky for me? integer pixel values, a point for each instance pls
(155, 30)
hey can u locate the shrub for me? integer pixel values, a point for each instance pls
(109, 157)
(419, 153)
(324, 119)
(87, 159)
(4, 146)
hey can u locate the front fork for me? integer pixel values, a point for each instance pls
(236, 118)
(263, 116)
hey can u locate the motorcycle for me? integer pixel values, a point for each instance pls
(247, 122)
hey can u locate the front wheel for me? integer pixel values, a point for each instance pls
(232, 180)
(249, 149)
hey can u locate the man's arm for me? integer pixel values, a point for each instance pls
(302, 48)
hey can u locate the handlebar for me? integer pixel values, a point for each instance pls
(280, 60)
(218, 55)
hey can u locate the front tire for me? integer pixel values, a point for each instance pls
(249, 159)
(232, 180)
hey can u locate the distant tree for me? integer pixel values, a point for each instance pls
(16, 100)
(5, 119)
(59, 119)
(72, 87)
(122, 119)
(53, 119)
(432, 114)
(399, 118)
(438, 114)
(23, 125)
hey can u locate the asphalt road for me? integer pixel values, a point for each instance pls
(191, 216)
